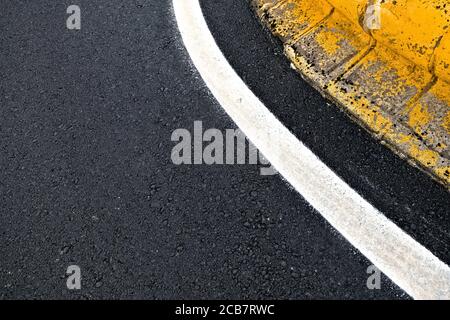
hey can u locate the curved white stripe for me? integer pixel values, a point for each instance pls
(401, 258)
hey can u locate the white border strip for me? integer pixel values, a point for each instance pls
(416, 270)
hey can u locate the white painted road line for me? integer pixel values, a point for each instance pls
(406, 262)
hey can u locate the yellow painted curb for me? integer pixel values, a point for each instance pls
(387, 63)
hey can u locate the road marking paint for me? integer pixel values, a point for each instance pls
(406, 262)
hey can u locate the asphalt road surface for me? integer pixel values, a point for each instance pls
(86, 176)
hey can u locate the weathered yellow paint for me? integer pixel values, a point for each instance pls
(446, 122)
(427, 117)
(368, 114)
(352, 10)
(419, 116)
(395, 81)
(330, 41)
(442, 61)
(291, 19)
(376, 82)
(425, 156)
(443, 172)
(325, 52)
(413, 28)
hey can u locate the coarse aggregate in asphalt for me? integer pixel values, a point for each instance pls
(86, 176)
(406, 195)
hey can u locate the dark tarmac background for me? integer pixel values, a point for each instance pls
(86, 176)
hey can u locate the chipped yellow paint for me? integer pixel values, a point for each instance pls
(368, 114)
(442, 60)
(292, 19)
(413, 28)
(443, 172)
(352, 10)
(419, 116)
(446, 122)
(419, 119)
(395, 81)
(336, 42)
(425, 156)
(330, 41)
(427, 117)
(402, 138)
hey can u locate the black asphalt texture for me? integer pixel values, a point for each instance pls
(86, 176)
(406, 195)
